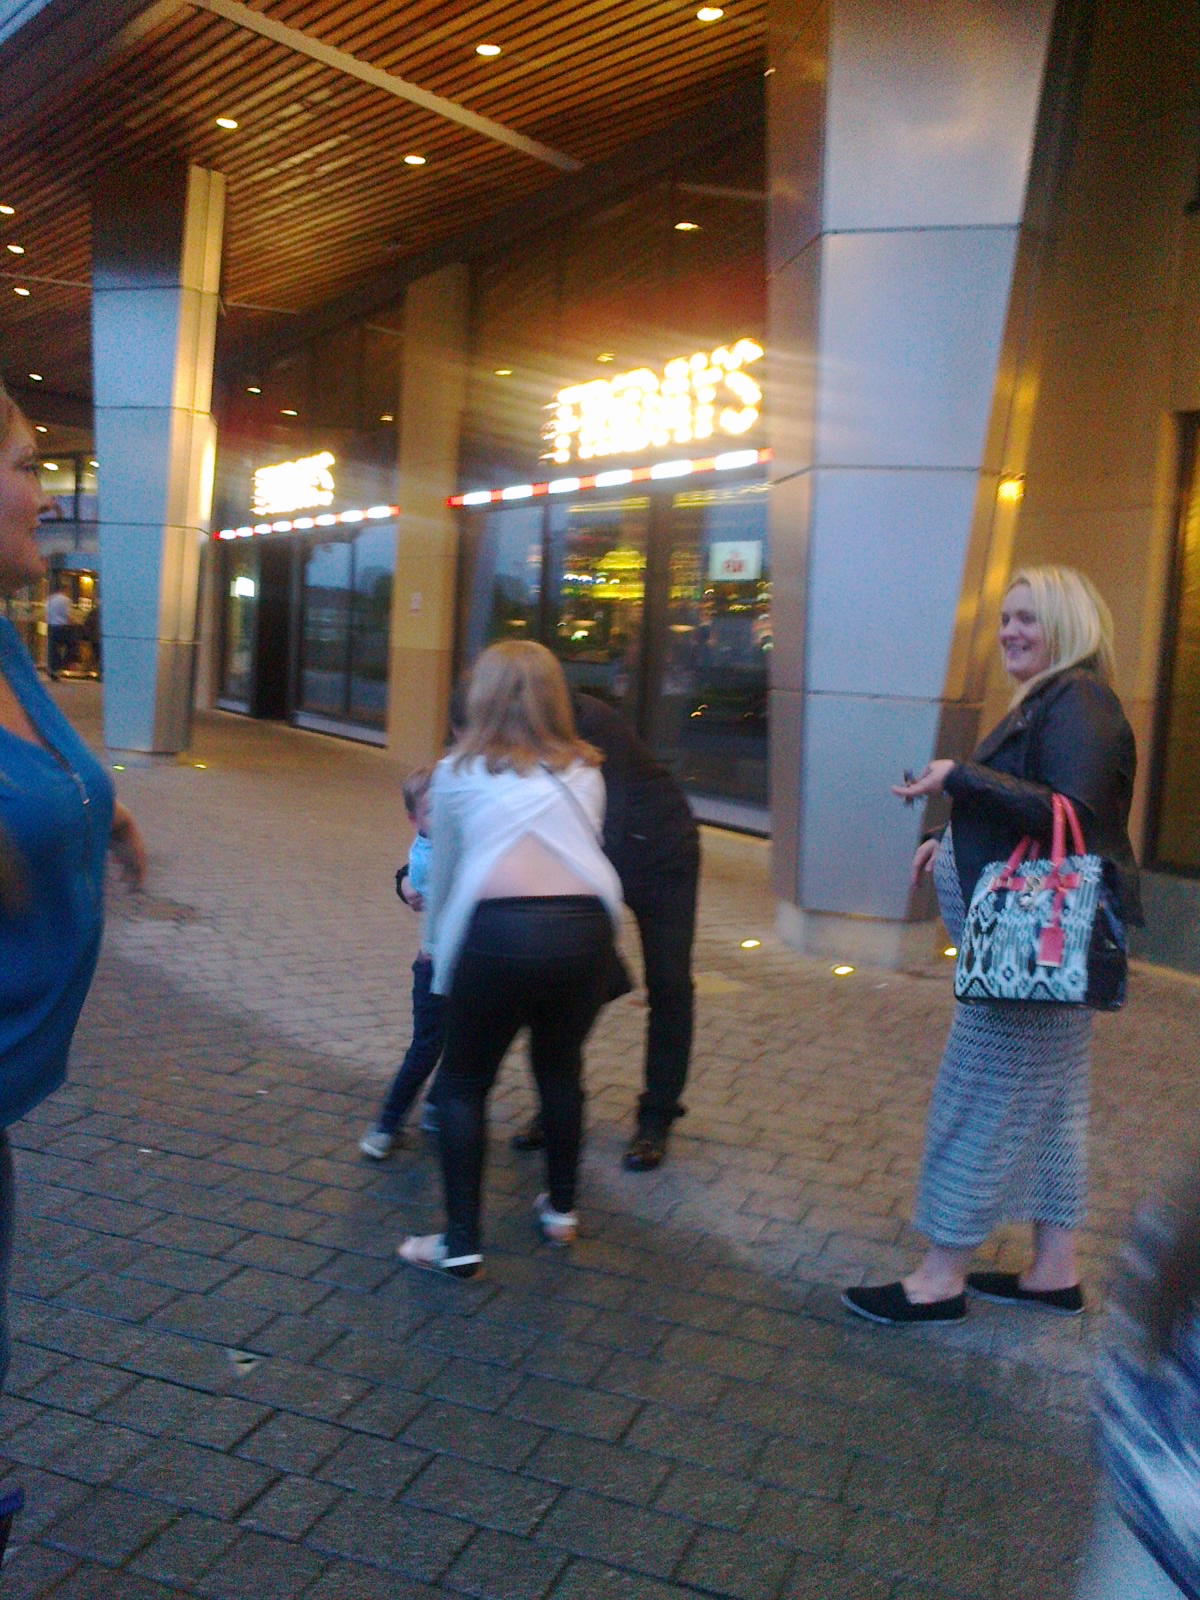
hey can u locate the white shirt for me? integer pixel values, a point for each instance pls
(58, 611)
(475, 818)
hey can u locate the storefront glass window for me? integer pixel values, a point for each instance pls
(374, 553)
(1176, 838)
(325, 634)
(596, 584)
(346, 610)
(506, 579)
(240, 602)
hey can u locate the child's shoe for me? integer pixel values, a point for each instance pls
(556, 1227)
(377, 1144)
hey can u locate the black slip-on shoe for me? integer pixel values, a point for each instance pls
(1005, 1289)
(531, 1137)
(887, 1302)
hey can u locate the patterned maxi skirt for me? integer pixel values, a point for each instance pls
(1006, 1137)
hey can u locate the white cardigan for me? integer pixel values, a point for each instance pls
(476, 816)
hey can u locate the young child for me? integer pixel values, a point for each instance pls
(428, 1030)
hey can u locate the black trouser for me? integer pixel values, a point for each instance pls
(58, 649)
(423, 1053)
(665, 908)
(530, 961)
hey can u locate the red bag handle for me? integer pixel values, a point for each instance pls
(1064, 813)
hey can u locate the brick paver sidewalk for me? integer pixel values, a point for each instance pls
(224, 1386)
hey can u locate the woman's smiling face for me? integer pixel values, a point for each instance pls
(1023, 644)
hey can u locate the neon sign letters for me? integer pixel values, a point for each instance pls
(293, 486)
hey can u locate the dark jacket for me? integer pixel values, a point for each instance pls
(1068, 737)
(649, 829)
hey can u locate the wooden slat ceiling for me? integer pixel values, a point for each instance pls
(319, 195)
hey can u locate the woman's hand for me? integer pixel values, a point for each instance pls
(127, 847)
(926, 783)
(923, 861)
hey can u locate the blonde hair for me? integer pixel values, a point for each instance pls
(1075, 620)
(10, 414)
(519, 713)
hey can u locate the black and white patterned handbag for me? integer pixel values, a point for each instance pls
(1045, 927)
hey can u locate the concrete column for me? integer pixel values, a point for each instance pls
(156, 267)
(902, 137)
(433, 394)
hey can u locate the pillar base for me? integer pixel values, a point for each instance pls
(863, 941)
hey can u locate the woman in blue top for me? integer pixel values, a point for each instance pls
(58, 820)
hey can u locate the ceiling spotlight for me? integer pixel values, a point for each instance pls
(16, 249)
(504, 372)
(40, 427)
(288, 411)
(227, 122)
(36, 377)
(8, 211)
(750, 944)
(50, 466)
(687, 227)
(252, 388)
(605, 357)
(414, 161)
(709, 14)
(22, 292)
(487, 49)
(93, 463)
(842, 971)
(388, 416)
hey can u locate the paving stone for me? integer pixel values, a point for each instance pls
(198, 1480)
(185, 1550)
(588, 1580)
(383, 1411)
(83, 1386)
(687, 1390)
(572, 1407)
(496, 1566)
(810, 1469)
(823, 1580)
(110, 1527)
(496, 1441)
(292, 1443)
(418, 1543)
(374, 1466)
(32, 1571)
(204, 1316)
(472, 1383)
(609, 1531)
(716, 1498)
(168, 1408)
(346, 1581)
(898, 1490)
(291, 1508)
(802, 1522)
(705, 1443)
(293, 1387)
(585, 1463)
(265, 1568)
(730, 1564)
(501, 1500)
(91, 1582)
(128, 1299)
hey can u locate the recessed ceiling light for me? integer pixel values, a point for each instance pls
(414, 161)
(487, 49)
(16, 249)
(606, 356)
(93, 463)
(504, 372)
(288, 411)
(36, 377)
(40, 427)
(709, 14)
(387, 416)
(50, 466)
(227, 122)
(8, 211)
(252, 388)
(687, 227)
(20, 291)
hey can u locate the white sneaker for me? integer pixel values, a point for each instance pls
(377, 1144)
(556, 1227)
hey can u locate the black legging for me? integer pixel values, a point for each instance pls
(536, 961)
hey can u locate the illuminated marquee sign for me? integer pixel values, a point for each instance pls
(293, 486)
(695, 397)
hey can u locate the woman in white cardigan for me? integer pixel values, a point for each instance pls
(519, 920)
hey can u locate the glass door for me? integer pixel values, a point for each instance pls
(595, 594)
(240, 604)
(345, 627)
(707, 712)
(325, 630)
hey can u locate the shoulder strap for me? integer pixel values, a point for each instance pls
(575, 805)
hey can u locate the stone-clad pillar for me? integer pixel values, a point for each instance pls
(902, 136)
(156, 269)
(433, 395)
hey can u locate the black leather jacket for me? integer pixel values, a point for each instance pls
(1069, 736)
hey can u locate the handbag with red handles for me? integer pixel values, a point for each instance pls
(1045, 928)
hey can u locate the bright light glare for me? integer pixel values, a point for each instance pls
(36, 377)
(22, 292)
(671, 469)
(562, 486)
(503, 372)
(414, 161)
(709, 14)
(477, 497)
(376, 513)
(252, 388)
(10, 211)
(950, 950)
(517, 491)
(227, 122)
(687, 227)
(609, 480)
(735, 458)
(1010, 490)
(243, 589)
(487, 49)
(842, 971)
(16, 249)
(751, 944)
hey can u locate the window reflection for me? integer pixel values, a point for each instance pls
(241, 598)
(597, 576)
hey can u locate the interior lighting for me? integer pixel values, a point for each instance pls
(414, 161)
(687, 227)
(303, 522)
(602, 480)
(750, 944)
(1011, 490)
(503, 372)
(351, 516)
(609, 480)
(8, 211)
(24, 293)
(709, 14)
(562, 486)
(732, 459)
(950, 950)
(325, 520)
(93, 463)
(288, 411)
(118, 766)
(670, 469)
(50, 466)
(16, 249)
(252, 388)
(388, 416)
(200, 766)
(842, 971)
(40, 427)
(605, 357)
(378, 513)
(229, 123)
(36, 377)
(289, 486)
(282, 526)
(487, 49)
(477, 497)
(517, 491)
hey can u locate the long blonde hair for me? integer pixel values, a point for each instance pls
(519, 713)
(1075, 619)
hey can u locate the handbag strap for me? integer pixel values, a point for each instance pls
(575, 805)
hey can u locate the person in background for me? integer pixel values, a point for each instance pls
(428, 1009)
(520, 916)
(651, 837)
(1006, 1134)
(59, 628)
(59, 821)
(1147, 1538)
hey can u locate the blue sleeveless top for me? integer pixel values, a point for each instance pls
(56, 804)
